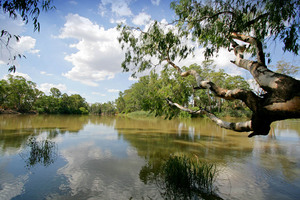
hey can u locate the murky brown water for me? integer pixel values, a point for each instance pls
(92, 157)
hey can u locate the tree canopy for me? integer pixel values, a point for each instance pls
(238, 25)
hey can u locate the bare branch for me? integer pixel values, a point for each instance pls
(248, 97)
(238, 126)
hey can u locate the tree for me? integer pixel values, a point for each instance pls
(215, 24)
(55, 92)
(286, 68)
(20, 94)
(26, 9)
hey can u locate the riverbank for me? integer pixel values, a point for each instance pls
(14, 112)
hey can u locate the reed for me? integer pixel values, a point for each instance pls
(189, 175)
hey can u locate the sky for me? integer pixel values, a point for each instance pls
(77, 50)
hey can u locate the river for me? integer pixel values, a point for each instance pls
(93, 157)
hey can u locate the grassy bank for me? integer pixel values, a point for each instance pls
(138, 114)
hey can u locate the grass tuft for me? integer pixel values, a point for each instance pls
(189, 176)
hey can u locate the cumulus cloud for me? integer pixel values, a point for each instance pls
(141, 19)
(26, 44)
(99, 54)
(117, 7)
(45, 87)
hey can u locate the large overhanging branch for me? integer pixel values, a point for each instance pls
(238, 126)
(248, 97)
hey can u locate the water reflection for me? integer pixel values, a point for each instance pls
(42, 152)
(81, 157)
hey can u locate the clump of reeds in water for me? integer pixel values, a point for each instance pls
(189, 178)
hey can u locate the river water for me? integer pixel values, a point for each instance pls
(93, 157)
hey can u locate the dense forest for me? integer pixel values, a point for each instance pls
(147, 94)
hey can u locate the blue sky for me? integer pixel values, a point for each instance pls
(77, 50)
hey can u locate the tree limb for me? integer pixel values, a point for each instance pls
(238, 126)
(248, 97)
(256, 43)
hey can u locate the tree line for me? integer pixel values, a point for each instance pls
(149, 93)
(21, 95)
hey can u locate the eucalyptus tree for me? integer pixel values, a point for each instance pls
(20, 94)
(238, 25)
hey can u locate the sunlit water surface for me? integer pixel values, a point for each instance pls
(92, 157)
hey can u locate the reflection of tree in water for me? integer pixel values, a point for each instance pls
(42, 152)
(183, 177)
(17, 129)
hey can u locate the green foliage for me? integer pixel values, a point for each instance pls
(108, 108)
(83, 110)
(95, 108)
(26, 9)
(188, 176)
(160, 41)
(211, 22)
(140, 114)
(150, 92)
(16, 93)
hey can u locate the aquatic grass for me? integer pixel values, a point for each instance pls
(188, 176)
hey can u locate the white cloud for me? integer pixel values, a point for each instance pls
(45, 87)
(113, 90)
(45, 73)
(117, 7)
(141, 19)
(155, 2)
(117, 21)
(26, 44)
(99, 53)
